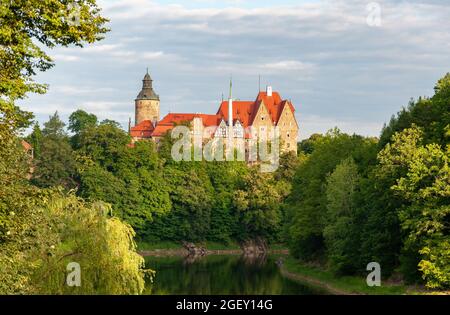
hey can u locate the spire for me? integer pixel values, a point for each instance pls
(147, 92)
(231, 88)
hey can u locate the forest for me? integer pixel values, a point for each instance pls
(87, 195)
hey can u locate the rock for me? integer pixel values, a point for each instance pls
(255, 247)
(193, 250)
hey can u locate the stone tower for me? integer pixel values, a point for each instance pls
(147, 102)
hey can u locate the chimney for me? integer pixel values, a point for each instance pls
(269, 90)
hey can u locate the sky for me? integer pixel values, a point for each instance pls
(350, 64)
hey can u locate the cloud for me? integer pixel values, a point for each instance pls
(62, 57)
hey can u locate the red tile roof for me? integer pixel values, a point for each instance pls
(26, 145)
(242, 110)
(142, 130)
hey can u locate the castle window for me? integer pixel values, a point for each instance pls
(288, 145)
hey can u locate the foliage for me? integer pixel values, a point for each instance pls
(425, 186)
(26, 26)
(42, 230)
(307, 205)
(340, 232)
(258, 206)
(102, 246)
(55, 163)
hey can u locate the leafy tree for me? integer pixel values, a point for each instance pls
(340, 233)
(307, 146)
(307, 205)
(55, 165)
(104, 144)
(258, 206)
(80, 120)
(191, 198)
(104, 247)
(424, 183)
(28, 25)
(430, 114)
(54, 127)
(35, 140)
(225, 177)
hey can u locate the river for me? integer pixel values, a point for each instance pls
(222, 275)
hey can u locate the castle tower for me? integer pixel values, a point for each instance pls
(147, 102)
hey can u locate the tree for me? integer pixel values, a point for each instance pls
(35, 140)
(258, 206)
(307, 205)
(85, 233)
(340, 233)
(104, 144)
(54, 127)
(80, 120)
(430, 114)
(55, 165)
(423, 180)
(27, 25)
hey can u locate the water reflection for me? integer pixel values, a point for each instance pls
(221, 275)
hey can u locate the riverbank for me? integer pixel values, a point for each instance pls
(161, 249)
(347, 285)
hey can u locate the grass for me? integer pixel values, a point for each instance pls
(349, 284)
(158, 245)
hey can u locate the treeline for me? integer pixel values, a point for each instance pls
(356, 200)
(160, 198)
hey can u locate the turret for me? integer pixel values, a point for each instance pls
(147, 102)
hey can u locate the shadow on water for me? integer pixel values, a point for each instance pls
(238, 275)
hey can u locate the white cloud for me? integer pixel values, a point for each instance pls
(62, 57)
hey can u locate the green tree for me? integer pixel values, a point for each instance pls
(340, 232)
(35, 140)
(423, 180)
(307, 204)
(258, 206)
(80, 120)
(55, 165)
(26, 26)
(104, 144)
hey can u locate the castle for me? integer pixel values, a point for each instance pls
(262, 115)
